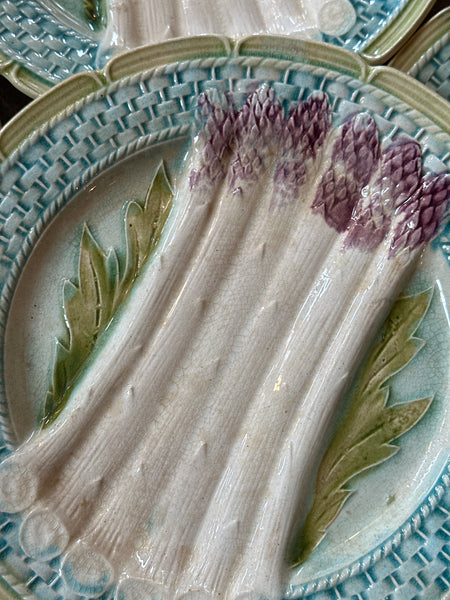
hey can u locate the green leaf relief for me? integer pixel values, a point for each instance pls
(90, 303)
(364, 438)
(143, 227)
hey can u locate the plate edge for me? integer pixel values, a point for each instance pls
(60, 98)
(397, 32)
(422, 41)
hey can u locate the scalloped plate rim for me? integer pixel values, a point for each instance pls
(62, 96)
(424, 39)
(379, 49)
(33, 118)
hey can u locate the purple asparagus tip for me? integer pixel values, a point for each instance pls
(258, 128)
(303, 136)
(217, 134)
(401, 169)
(421, 216)
(354, 160)
(398, 178)
(362, 192)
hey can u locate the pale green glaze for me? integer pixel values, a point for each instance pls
(64, 95)
(104, 281)
(427, 35)
(364, 438)
(21, 78)
(396, 34)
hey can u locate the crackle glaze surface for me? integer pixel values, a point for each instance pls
(81, 167)
(44, 42)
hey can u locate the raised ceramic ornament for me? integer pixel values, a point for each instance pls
(43, 42)
(427, 56)
(225, 330)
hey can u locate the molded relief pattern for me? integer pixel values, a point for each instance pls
(32, 36)
(42, 182)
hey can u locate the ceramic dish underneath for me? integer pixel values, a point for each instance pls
(427, 55)
(42, 42)
(197, 261)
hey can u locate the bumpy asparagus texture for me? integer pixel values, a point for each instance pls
(184, 458)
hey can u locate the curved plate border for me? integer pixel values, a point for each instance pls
(48, 110)
(423, 47)
(79, 86)
(376, 47)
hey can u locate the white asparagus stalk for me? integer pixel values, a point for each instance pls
(282, 222)
(241, 361)
(266, 235)
(249, 477)
(234, 19)
(133, 23)
(149, 378)
(178, 262)
(206, 352)
(372, 276)
(178, 252)
(294, 410)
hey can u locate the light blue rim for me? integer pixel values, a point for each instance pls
(44, 173)
(37, 41)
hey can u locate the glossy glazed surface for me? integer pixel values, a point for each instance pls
(427, 56)
(147, 116)
(43, 43)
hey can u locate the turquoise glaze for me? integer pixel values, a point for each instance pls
(78, 165)
(53, 44)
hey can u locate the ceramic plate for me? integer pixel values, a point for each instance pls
(224, 330)
(42, 42)
(427, 56)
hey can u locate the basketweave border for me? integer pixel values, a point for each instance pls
(35, 177)
(38, 51)
(427, 56)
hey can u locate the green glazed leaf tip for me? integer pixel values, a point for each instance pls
(364, 438)
(90, 303)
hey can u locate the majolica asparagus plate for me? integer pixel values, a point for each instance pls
(42, 42)
(224, 330)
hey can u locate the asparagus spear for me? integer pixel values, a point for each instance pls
(287, 250)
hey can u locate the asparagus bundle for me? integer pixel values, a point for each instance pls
(144, 21)
(187, 454)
